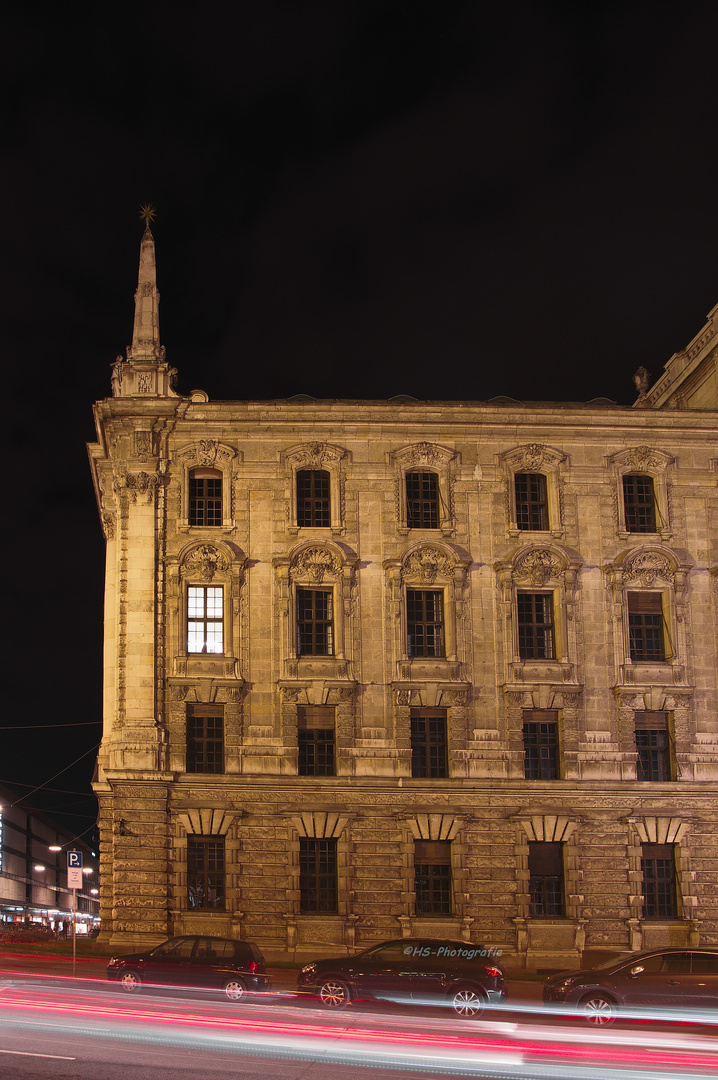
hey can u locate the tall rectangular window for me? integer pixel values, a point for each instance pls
(205, 497)
(315, 735)
(652, 746)
(425, 622)
(205, 872)
(546, 888)
(205, 739)
(428, 743)
(317, 877)
(531, 501)
(432, 877)
(658, 866)
(541, 757)
(639, 503)
(422, 500)
(646, 626)
(313, 506)
(205, 619)
(535, 625)
(315, 634)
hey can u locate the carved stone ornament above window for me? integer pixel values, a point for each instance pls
(425, 564)
(314, 564)
(641, 458)
(534, 457)
(204, 562)
(648, 568)
(423, 453)
(538, 567)
(208, 452)
(315, 455)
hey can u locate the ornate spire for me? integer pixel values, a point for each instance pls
(146, 334)
(145, 371)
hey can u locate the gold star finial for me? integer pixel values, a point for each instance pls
(148, 214)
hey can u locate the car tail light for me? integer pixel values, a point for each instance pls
(253, 966)
(495, 973)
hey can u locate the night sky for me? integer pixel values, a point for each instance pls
(448, 200)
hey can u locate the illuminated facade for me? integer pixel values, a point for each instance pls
(380, 668)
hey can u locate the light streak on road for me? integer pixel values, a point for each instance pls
(469, 1048)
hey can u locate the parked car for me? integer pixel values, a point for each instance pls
(683, 978)
(418, 970)
(204, 963)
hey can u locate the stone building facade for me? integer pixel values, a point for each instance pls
(380, 668)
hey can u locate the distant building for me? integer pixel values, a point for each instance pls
(33, 877)
(381, 668)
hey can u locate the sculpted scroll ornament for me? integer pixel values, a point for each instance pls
(315, 454)
(533, 457)
(204, 562)
(314, 563)
(642, 457)
(423, 453)
(538, 566)
(207, 451)
(425, 565)
(141, 483)
(646, 567)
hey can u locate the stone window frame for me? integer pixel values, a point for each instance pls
(324, 565)
(666, 828)
(435, 566)
(433, 826)
(648, 461)
(328, 458)
(545, 827)
(551, 463)
(566, 703)
(426, 457)
(208, 564)
(204, 821)
(546, 569)
(678, 706)
(657, 569)
(340, 694)
(206, 454)
(319, 825)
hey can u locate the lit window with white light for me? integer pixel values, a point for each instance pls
(205, 621)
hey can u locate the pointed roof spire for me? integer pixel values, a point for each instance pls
(145, 371)
(146, 333)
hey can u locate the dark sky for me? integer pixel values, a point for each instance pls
(449, 200)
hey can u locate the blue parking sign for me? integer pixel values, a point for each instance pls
(74, 860)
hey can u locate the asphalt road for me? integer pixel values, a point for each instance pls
(85, 1029)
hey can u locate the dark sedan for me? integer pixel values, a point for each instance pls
(670, 978)
(418, 970)
(203, 963)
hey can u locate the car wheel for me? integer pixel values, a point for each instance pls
(130, 981)
(598, 1009)
(334, 994)
(235, 989)
(467, 1002)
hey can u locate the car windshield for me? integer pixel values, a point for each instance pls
(614, 963)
